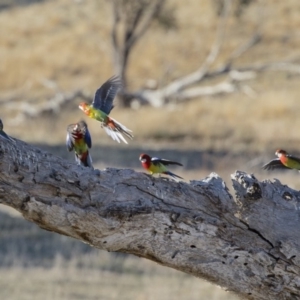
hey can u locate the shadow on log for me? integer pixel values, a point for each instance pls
(248, 244)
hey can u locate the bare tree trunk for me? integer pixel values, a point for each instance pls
(249, 245)
(131, 20)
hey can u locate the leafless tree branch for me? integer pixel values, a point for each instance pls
(149, 18)
(52, 106)
(249, 244)
(131, 19)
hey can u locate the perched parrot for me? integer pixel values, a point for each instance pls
(284, 161)
(3, 134)
(102, 106)
(158, 165)
(79, 140)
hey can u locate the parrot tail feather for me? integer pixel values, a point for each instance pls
(116, 130)
(84, 160)
(172, 174)
(89, 161)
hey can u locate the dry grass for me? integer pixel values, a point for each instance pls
(74, 283)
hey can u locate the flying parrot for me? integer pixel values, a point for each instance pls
(158, 165)
(79, 140)
(284, 161)
(3, 134)
(102, 106)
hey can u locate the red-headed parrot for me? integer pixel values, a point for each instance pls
(158, 165)
(79, 140)
(102, 106)
(284, 161)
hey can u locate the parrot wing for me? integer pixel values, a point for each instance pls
(105, 95)
(88, 139)
(69, 138)
(274, 164)
(156, 161)
(83, 128)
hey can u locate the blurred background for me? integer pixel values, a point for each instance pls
(212, 84)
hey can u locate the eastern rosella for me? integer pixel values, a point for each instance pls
(284, 161)
(3, 134)
(79, 140)
(102, 106)
(158, 165)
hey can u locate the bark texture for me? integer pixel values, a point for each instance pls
(249, 244)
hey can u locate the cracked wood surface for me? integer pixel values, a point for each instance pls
(249, 244)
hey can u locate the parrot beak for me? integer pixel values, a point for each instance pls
(143, 160)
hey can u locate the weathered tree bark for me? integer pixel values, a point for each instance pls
(249, 244)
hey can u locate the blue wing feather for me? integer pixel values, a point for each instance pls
(87, 138)
(105, 95)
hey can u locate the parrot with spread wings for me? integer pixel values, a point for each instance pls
(157, 165)
(102, 106)
(79, 140)
(284, 161)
